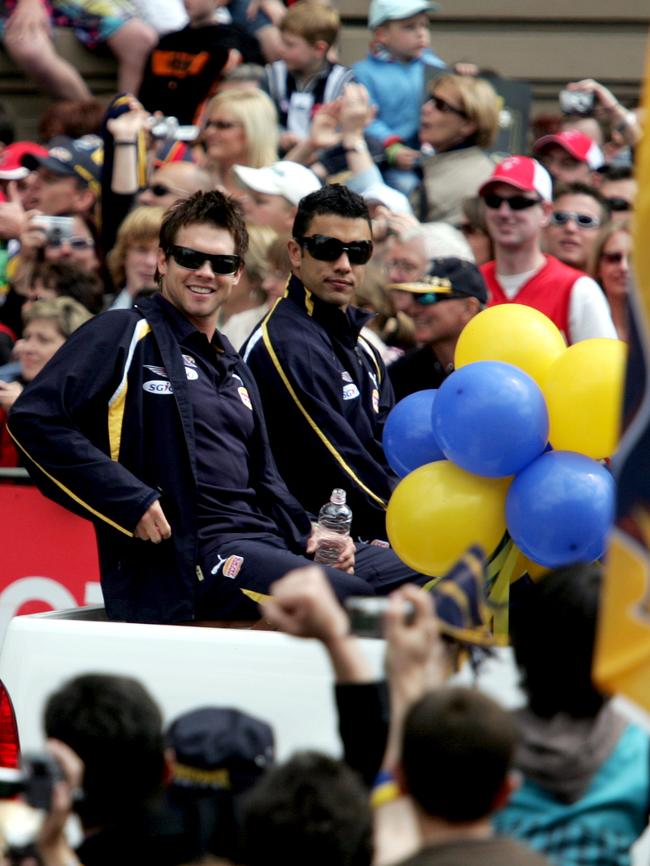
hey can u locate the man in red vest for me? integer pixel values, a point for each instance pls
(517, 200)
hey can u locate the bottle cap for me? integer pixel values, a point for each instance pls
(338, 496)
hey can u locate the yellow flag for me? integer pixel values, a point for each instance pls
(622, 661)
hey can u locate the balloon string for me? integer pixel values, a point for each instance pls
(499, 594)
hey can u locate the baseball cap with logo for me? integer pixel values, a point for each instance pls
(576, 143)
(288, 179)
(72, 157)
(11, 166)
(395, 10)
(448, 277)
(522, 173)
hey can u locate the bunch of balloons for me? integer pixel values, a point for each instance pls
(511, 440)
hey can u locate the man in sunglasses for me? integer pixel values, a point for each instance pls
(579, 211)
(440, 306)
(517, 199)
(619, 189)
(150, 425)
(324, 387)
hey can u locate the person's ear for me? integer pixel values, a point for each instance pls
(161, 263)
(295, 254)
(547, 210)
(510, 784)
(322, 47)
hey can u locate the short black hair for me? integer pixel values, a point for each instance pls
(617, 172)
(457, 748)
(214, 207)
(115, 727)
(310, 810)
(553, 629)
(579, 188)
(333, 199)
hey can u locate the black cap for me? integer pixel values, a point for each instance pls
(449, 276)
(72, 157)
(220, 748)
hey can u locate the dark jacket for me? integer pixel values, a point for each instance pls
(326, 398)
(104, 446)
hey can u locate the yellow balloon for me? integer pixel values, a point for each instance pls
(584, 395)
(513, 333)
(439, 510)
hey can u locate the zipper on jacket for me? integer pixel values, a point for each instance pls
(199, 573)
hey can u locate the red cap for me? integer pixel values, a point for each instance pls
(576, 143)
(523, 173)
(11, 167)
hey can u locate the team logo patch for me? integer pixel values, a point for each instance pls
(158, 386)
(231, 565)
(189, 361)
(346, 376)
(245, 397)
(191, 373)
(375, 400)
(350, 392)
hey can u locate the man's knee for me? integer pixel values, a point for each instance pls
(37, 50)
(134, 36)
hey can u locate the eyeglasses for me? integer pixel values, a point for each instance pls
(582, 220)
(191, 259)
(327, 249)
(444, 107)
(514, 202)
(221, 124)
(613, 258)
(618, 205)
(426, 299)
(76, 243)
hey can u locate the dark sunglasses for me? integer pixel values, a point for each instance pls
(613, 258)
(445, 107)
(221, 124)
(426, 299)
(584, 220)
(514, 202)
(618, 205)
(194, 259)
(327, 249)
(74, 243)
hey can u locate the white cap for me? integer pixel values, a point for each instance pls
(395, 10)
(393, 199)
(288, 179)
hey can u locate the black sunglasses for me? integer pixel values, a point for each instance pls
(327, 249)
(613, 258)
(191, 259)
(584, 220)
(514, 202)
(618, 205)
(445, 107)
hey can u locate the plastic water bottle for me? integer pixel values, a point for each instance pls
(334, 521)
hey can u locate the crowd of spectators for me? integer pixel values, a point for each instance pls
(250, 99)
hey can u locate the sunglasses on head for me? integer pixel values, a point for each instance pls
(327, 249)
(76, 243)
(618, 205)
(514, 202)
(613, 258)
(444, 107)
(191, 259)
(584, 220)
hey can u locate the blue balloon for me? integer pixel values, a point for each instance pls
(560, 509)
(490, 419)
(409, 440)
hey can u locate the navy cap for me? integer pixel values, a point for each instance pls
(220, 748)
(72, 157)
(449, 276)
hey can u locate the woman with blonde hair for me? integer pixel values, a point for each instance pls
(241, 128)
(47, 325)
(132, 261)
(459, 121)
(610, 266)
